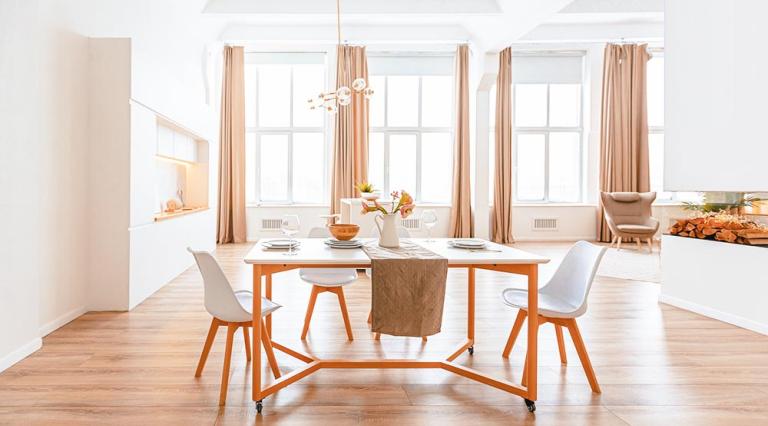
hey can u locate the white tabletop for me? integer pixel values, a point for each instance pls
(313, 251)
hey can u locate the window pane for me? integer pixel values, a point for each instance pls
(403, 101)
(307, 83)
(250, 168)
(564, 167)
(436, 101)
(376, 103)
(656, 165)
(436, 170)
(308, 174)
(274, 99)
(530, 167)
(274, 167)
(402, 163)
(656, 92)
(530, 105)
(564, 105)
(250, 95)
(376, 160)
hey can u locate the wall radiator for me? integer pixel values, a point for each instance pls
(544, 224)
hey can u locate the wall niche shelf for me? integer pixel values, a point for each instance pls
(183, 212)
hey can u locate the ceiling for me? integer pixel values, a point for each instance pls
(489, 24)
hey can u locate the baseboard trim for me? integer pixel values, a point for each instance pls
(61, 321)
(715, 314)
(24, 351)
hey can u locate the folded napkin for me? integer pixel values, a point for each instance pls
(408, 289)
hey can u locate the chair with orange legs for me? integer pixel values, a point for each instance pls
(232, 309)
(561, 301)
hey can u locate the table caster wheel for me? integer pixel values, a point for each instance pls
(259, 406)
(531, 405)
(471, 350)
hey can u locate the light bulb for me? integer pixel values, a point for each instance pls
(331, 108)
(345, 101)
(368, 93)
(358, 85)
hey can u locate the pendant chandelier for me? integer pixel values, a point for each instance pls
(331, 101)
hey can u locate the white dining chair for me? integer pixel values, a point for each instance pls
(331, 280)
(561, 301)
(230, 308)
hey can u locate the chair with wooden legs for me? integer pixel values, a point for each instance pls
(232, 309)
(327, 280)
(561, 301)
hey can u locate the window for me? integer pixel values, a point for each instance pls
(655, 102)
(285, 140)
(547, 128)
(411, 139)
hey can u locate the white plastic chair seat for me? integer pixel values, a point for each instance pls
(331, 277)
(549, 306)
(245, 298)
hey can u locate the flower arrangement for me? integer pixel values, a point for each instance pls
(401, 202)
(365, 187)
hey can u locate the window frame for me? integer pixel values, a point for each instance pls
(417, 130)
(290, 130)
(546, 131)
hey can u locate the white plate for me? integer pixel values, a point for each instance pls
(280, 244)
(333, 241)
(468, 242)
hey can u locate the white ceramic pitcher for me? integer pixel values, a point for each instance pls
(387, 224)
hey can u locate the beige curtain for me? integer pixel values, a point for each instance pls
(231, 217)
(501, 214)
(461, 224)
(350, 141)
(624, 125)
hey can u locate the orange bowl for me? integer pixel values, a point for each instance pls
(344, 231)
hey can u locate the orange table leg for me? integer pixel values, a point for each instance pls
(256, 382)
(268, 295)
(471, 308)
(533, 335)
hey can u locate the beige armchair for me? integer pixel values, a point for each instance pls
(629, 216)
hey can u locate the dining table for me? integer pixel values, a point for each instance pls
(314, 253)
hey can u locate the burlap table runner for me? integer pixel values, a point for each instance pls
(408, 289)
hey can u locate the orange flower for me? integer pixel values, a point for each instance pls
(406, 210)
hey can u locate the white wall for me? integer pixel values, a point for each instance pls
(44, 173)
(715, 95)
(715, 279)
(20, 180)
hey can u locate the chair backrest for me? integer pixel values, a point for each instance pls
(401, 232)
(573, 278)
(319, 232)
(628, 208)
(220, 300)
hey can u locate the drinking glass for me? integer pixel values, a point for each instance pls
(290, 227)
(429, 219)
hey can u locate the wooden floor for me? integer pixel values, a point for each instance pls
(656, 364)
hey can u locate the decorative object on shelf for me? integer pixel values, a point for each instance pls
(342, 96)
(172, 205)
(721, 227)
(367, 191)
(344, 231)
(386, 221)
